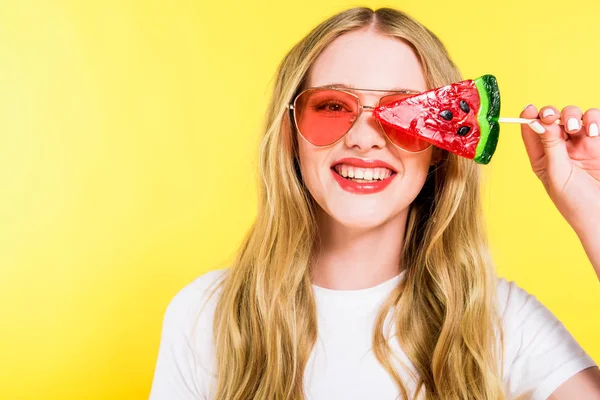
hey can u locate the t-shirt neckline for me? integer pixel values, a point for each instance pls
(367, 297)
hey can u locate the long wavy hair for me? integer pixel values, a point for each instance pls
(444, 310)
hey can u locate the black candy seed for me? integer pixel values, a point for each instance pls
(464, 106)
(463, 130)
(447, 115)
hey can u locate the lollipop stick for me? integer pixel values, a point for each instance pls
(523, 120)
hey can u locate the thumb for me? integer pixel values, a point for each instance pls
(545, 140)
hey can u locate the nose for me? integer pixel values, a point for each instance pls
(366, 132)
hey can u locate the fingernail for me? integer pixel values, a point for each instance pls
(572, 124)
(547, 112)
(527, 106)
(593, 130)
(537, 127)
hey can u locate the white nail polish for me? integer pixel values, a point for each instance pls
(537, 127)
(593, 130)
(572, 124)
(547, 112)
(527, 106)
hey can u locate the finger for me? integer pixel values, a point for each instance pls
(571, 119)
(533, 143)
(549, 114)
(591, 121)
(552, 142)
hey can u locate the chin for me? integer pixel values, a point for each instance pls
(357, 219)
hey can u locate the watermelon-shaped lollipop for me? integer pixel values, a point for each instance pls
(461, 118)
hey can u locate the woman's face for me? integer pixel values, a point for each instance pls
(368, 60)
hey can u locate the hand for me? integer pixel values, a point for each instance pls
(566, 158)
(567, 161)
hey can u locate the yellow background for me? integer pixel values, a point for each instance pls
(128, 140)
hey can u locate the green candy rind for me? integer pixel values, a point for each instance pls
(489, 111)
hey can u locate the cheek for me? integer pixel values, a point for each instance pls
(412, 178)
(412, 183)
(310, 161)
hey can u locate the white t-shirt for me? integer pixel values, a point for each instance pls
(540, 353)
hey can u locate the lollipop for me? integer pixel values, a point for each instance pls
(461, 118)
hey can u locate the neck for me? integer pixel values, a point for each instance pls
(352, 258)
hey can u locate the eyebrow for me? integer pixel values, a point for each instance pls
(397, 89)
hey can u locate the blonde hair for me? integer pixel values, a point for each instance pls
(265, 322)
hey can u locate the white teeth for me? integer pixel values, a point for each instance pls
(370, 174)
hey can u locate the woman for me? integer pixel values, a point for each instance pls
(342, 291)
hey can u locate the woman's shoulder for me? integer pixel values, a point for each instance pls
(197, 297)
(540, 352)
(518, 303)
(515, 304)
(203, 284)
(186, 352)
(189, 313)
(511, 296)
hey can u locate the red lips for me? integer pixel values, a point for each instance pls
(362, 187)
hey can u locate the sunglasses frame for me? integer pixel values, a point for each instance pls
(292, 107)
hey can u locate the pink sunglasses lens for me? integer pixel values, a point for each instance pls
(323, 116)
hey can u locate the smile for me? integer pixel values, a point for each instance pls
(356, 174)
(364, 180)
